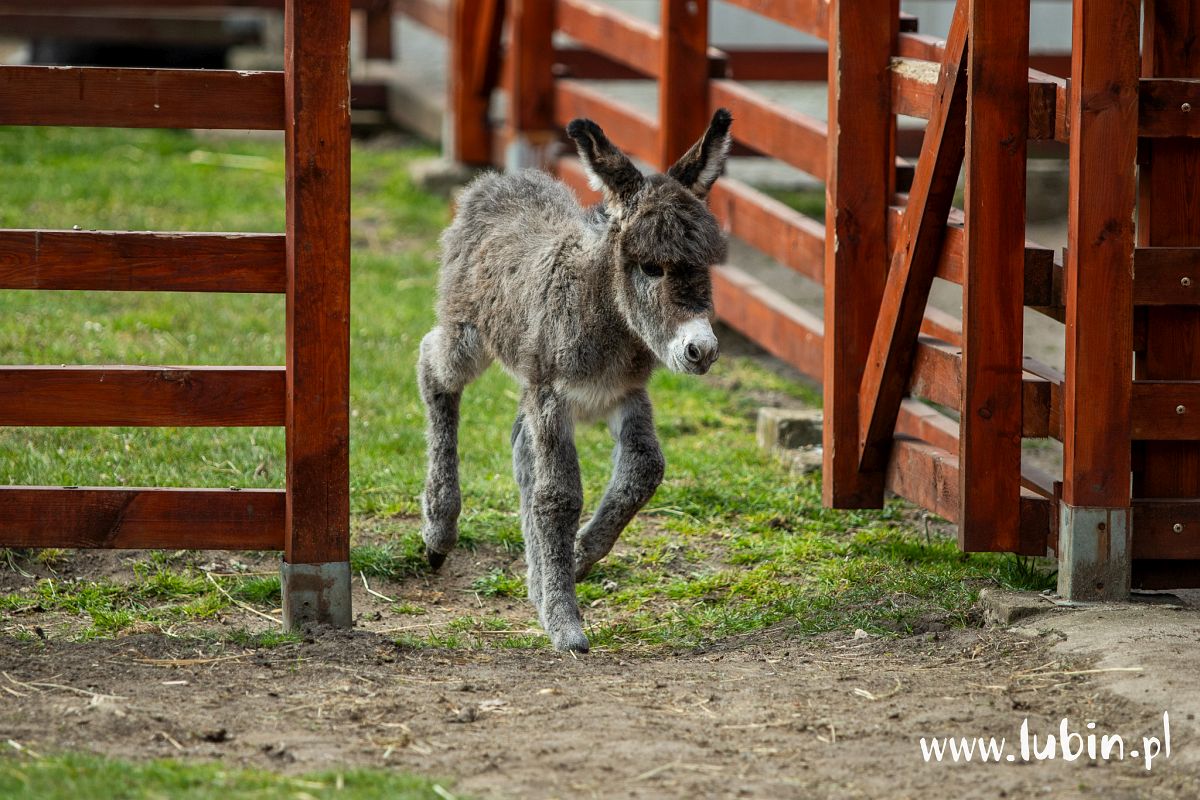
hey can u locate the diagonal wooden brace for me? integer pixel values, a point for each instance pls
(914, 262)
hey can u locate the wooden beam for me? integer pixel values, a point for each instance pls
(991, 419)
(1094, 556)
(1166, 276)
(317, 148)
(530, 117)
(620, 36)
(141, 396)
(1167, 528)
(930, 477)
(682, 78)
(858, 180)
(142, 262)
(141, 98)
(914, 264)
(470, 131)
(1166, 410)
(125, 27)
(1039, 267)
(628, 128)
(773, 129)
(200, 519)
(1169, 107)
(431, 14)
(773, 322)
(792, 239)
(914, 92)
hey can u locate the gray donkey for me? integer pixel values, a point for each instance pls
(577, 305)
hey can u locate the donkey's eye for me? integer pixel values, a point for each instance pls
(652, 270)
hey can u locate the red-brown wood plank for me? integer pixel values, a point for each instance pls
(200, 519)
(142, 262)
(858, 180)
(1168, 529)
(772, 129)
(929, 476)
(773, 322)
(620, 36)
(142, 396)
(317, 145)
(1164, 276)
(1039, 267)
(628, 128)
(914, 264)
(141, 98)
(432, 14)
(378, 29)
(776, 229)
(991, 419)
(531, 55)
(200, 28)
(920, 421)
(914, 92)
(682, 78)
(1169, 107)
(1166, 410)
(470, 128)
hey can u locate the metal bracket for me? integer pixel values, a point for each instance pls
(316, 594)
(1094, 553)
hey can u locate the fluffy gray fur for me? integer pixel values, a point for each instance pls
(578, 305)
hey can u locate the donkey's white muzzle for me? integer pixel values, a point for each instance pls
(694, 348)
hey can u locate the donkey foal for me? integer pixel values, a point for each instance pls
(577, 305)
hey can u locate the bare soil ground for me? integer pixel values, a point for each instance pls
(772, 714)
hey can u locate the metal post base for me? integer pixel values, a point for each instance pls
(1094, 553)
(316, 594)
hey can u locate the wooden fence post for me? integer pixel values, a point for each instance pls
(316, 566)
(468, 131)
(1094, 528)
(683, 111)
(862, 36)
(994, 277)
(531, 129)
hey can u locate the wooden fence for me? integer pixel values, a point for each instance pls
(310, 264)
(928, 405)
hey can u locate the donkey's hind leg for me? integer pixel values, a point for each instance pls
(451, 357)
(523, 472)
(637, 471)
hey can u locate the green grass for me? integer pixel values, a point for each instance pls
(731, 543)
(73, 776)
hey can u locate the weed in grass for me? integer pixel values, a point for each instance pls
(499, 583)
(391, 561)
(262, 590)
(1026, 574)
(264, 640)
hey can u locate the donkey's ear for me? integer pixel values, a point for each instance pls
(609, 170)
(700, 166)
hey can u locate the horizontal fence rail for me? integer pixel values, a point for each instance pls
(141, 98)
(143, 262)
(142, 396)
(127, 519)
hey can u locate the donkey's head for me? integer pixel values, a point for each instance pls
(666, 240)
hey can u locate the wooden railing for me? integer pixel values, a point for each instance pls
(309, 264)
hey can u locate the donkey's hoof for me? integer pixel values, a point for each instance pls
(435, 558)
(570, 641)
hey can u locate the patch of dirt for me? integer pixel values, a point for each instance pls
(768, 715)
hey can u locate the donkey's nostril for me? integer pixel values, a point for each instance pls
(692, 352)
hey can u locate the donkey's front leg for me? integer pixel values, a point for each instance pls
(637, 471)
(555, 501)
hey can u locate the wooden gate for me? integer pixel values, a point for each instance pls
(309, 397)
(930, 406)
